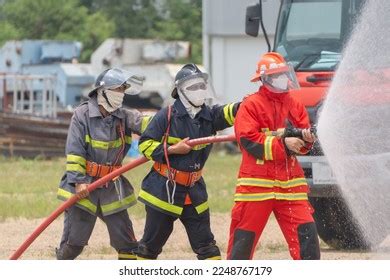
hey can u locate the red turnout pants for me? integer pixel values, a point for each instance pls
(295, 220)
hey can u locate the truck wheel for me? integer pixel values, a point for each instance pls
(337, 227)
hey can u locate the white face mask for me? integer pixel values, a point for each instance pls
(280, 82)
(197, 98)
(191, 110)
(114, 97)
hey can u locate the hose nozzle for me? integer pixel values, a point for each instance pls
(297, 132)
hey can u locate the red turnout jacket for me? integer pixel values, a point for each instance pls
(267, 171)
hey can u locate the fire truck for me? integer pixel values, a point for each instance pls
(311, 35)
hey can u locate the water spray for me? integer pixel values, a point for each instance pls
(354, 127)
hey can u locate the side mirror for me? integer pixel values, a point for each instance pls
(252, 20)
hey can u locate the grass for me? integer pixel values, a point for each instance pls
(28, 187)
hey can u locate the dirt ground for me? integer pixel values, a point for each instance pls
(272, 246)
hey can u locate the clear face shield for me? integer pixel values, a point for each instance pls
(196, 89)
(281, 80)
(124, 80)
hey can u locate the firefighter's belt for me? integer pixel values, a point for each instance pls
(99, 170)
(187, 179)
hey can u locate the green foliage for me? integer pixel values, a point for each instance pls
(8, 32)
(132, 18)
(97, 29)
(58, 20)
(92, 21)
(171, 20)
(45, 18)
(183, 21)
(28, 187)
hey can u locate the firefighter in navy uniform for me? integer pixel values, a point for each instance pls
(174, 188)
(98, 140)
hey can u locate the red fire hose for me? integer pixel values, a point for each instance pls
(73, 199)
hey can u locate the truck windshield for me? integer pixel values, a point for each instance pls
(311, 33)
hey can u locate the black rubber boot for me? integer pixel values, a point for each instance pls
(68, 252)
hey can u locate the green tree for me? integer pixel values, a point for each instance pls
(183, 21)
(8, 32)
(92, 21)
(96, 30)
(56, 19)
(165, 20)
(132, 18)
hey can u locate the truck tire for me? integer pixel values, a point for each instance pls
(337, 227)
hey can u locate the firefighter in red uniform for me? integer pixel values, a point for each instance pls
(270, 177)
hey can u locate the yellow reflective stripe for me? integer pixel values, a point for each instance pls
(145, 122)
(291, 196)
(228, 113)
(160, 203)
(199, 147)
(271, 195)
(202, 207)
(214, 258)
(127, 256)
(173, 140)
(268, 148)
(61, 193)
(253, 196)
(75, 167)
(265, 183)
(291, 183)
(147, 147)
(255, 182)
(118, 204)
(143, 259)
(76, 159)
(105, 145)
(232, 118)
(278, 132)
(128, 139)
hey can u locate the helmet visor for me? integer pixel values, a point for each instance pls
(115, 78)
(134, 85)
(281, 82)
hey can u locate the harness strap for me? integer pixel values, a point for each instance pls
(187, 179)
(170, 180)
(99, 170)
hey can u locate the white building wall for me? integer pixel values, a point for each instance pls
(233, 63)
(229, 55)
